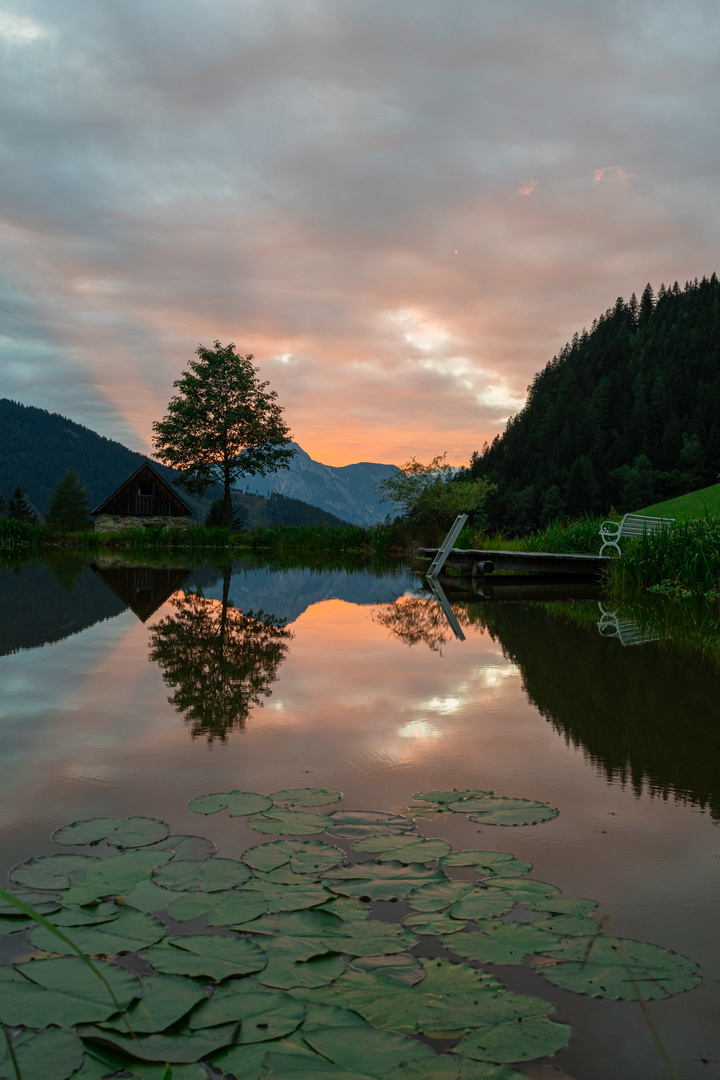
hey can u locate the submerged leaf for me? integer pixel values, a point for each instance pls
(288, 822)
(306, 796)
(237, 803)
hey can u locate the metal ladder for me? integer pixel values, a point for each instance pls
(446, 547)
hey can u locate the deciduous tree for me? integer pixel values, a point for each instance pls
(222, 424)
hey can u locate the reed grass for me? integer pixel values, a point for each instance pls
(678, 561)
(581, 536)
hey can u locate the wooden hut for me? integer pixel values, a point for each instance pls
(144, 500)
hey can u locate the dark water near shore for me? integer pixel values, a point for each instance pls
(122, 693)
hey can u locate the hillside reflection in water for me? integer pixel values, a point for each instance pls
(365, 689)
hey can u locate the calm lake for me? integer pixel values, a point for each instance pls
(117, 700)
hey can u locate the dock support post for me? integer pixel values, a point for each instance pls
(446, 546)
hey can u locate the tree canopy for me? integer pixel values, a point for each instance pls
(433, 493)
(222, 424)
(69, 504)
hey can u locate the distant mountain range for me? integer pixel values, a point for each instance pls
(37, 446)
(349, 491)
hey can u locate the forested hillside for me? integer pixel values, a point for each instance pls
(626, 415)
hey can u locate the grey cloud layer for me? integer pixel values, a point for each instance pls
(298, 177)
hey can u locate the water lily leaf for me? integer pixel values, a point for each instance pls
(569, 925)
(296, 924)
(289, 897)
(132, 832)
(375, 1053)
(12, 926)
(165, 1000)
(356, 823)
(41, 901)
(116, 875)
(483, 903)
(180, 1047)
(73, 915)
(64, 991)
(263, 1014)
(131, 930)
(306, 796)
(445, 797)
(216, 956)
(288, 822)
(147, 896)
(302, 856)
(520, 1039)
(194, 848)
(502, 942)
(424, 813)
(222, 908)
(237, 803)
(451, 999)
(400, 968)
(497, 810)
(433, 922)
(318, 1015)
(619, 969)
(383, 881)
(213, 875)
(438, 895)
(102, 1061)
(488, 862)
(405, 849)
(565, 905)
(523, 890)
(285, 972)
(51, 871)
(50, 1053)
(371, 938)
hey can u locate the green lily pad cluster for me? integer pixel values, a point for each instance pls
(153, 957)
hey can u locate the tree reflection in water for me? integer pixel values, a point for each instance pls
(416, 618)
(220, 661)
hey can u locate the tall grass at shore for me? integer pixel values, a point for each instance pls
(680, 561)
(581, 536)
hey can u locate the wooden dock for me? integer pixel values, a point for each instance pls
(474, 563)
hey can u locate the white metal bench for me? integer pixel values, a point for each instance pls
(611, 532)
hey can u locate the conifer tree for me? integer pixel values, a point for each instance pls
(19, 509)
(69, 503)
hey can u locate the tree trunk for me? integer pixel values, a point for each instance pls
(228, 507)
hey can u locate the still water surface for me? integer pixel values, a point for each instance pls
(115, 699)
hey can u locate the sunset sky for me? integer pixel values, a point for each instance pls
(402, 208)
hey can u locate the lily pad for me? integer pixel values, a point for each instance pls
(50, 1053)
(63, 991)
(74, 915)
(502, 942)
(354, 824)
(222, 908)
(445, 797)
(51, 871)
(288, 822)
(165, 1000)
(237, 803)
(482, 904)
(619, 969)
(488, 862)
(438, 895)
(302, 856)
(384, 881)
(405, 849)
(132, 832)
(279, 897)
(113, 876)
(147, 896)
(497, 810)
(433, 922)
(213, 875)
(569, 925)
(400, 968)
(194, 848)
(523, 890)
(40, 901)
(285, 972)
(130, 931)
(520, 1039)
(216, 956)
(180, 1047)
(306, 796)
(263, 1014)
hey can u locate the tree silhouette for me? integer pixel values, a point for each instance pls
(219, 660)
(416, 618)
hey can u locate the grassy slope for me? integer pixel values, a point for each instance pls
(696, 504)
